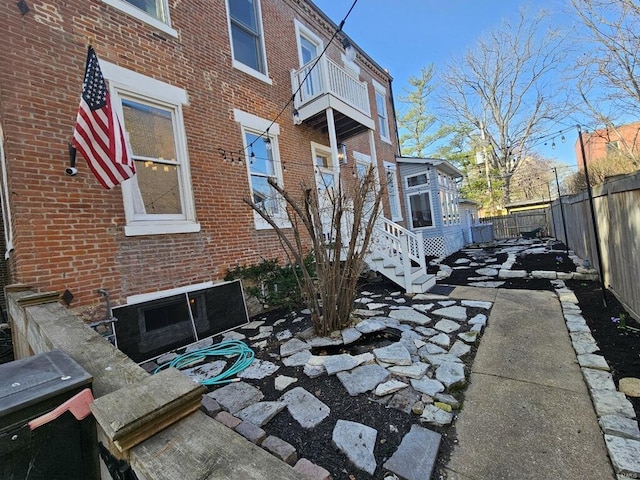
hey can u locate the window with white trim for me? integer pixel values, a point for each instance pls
(263, 164)
(381, 107)
(247, 40)
(393, 191)
(421, 210)
(152, 12)
(159, 198)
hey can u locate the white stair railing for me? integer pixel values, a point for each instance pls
(400, 248)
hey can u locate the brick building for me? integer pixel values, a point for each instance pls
(206, 93)
(623, 140)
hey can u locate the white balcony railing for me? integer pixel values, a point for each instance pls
(327, 76)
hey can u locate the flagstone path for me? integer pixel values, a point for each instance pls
(417, 373)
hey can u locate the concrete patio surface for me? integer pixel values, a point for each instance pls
(527, 412)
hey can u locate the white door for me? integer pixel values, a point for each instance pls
(325, 183)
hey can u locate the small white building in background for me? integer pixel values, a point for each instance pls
(432, 204)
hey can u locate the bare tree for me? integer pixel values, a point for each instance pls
(337, 229)
(532, 179)
(507, 88)
(609, 80)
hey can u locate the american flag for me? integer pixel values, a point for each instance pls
(98, 134)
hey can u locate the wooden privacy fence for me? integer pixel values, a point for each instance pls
(515, 224)
(617, 211)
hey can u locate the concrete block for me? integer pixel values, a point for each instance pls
(228, 420)
(281, 449)
(311, 470)
(251, 432)
(210, 406)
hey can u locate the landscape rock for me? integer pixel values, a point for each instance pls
(260, 413)
(436, 416)
(363, 378)
(394, 354)
(455, 312)
(236, 396)
(625, 455)
(389, 387)
(428, 386)
(411, 316)
(447, 326)
(339, 363)
(356, 441)
(281, 449)
(294, 345)
(619, 426)
(306, 409)
(451, 374)
(630, 386)
(416, 456)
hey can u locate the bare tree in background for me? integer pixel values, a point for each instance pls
(609, 80)
(337, 229)
(507, 88)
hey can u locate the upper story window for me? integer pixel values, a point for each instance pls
(262, 166)
(152, 12)
(247, 40)
(381, 107)
(158, 199)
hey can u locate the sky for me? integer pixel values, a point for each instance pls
(403, 36)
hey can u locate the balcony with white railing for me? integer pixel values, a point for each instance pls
(325, 84)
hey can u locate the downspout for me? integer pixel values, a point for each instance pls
(395, 119)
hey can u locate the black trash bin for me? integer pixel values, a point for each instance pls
(64, 448)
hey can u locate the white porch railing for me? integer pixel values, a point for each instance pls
(328, 77)
(400, 248)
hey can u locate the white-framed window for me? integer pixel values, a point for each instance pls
(159, 198)
(309, 47)
(152, 12)
(263, 164)
(418, 180)
(381, 107)
(247, 38)
(393, 191)
(421, 210)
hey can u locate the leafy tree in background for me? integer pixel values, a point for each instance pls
(507, 89)
(421, 128)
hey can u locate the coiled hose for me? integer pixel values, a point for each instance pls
(228, 348)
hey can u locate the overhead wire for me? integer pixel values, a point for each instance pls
(335, 34)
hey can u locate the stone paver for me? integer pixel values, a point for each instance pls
(260, 413)
(356, 441)
(395, 354)
(453, 312)
(311, 471)
(625, 455)
(281, 449)
(363, 378)
(417, 454)
(236, 396)
(411, 316)
(306, 409)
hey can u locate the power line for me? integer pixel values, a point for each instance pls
(291, 99)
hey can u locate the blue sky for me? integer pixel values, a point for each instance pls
(405, 35)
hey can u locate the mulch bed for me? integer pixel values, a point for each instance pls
(620, 348)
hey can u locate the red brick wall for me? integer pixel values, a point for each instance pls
(69, 231)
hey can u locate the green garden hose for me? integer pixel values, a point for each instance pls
(228, 348)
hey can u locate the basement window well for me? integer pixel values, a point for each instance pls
(150, 328)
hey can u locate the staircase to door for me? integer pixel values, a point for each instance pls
(398, 254)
